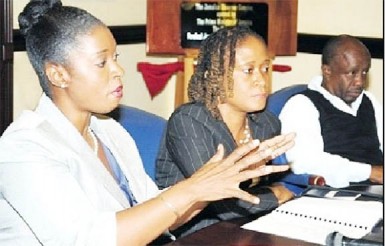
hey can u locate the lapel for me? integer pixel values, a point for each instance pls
(127, 156)
(89, 164)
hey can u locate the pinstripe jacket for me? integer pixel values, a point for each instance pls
(191, 139)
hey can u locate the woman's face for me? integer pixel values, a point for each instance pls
(251, 76)
(94, 76)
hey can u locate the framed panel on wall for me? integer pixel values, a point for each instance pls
(176, 26)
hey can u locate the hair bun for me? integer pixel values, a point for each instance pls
(33, 11)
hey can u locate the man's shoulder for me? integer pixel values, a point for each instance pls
(298, 100)
(296, 108)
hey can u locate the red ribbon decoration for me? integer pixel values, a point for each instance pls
(156, 76)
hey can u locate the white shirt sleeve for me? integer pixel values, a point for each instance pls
(307, 156)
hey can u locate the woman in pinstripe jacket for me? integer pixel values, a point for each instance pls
(227, 93)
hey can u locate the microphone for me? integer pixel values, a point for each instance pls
(338, 239)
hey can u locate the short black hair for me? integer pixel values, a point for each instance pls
(332, 46)
(51, 31)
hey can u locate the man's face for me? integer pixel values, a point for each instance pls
(346, 75)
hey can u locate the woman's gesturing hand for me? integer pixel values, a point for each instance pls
(271, 148)
(219, 178)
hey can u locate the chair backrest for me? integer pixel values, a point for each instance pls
(275, 103)
(277, 99)
(146, 129)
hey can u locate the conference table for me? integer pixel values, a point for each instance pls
(231, 233)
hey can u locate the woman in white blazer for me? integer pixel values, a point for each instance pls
(71, 176)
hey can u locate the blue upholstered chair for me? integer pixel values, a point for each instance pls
(146, 129)
(277, 100)
(294, 182)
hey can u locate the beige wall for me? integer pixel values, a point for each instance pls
(356, 17)
(120, 12)
(332, 17)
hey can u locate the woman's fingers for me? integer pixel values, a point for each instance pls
(224, 167)
(243, 195)
(279, 140)
(276, 146)
(246, 174)
(240, 152)
(219, 155)
(219, 178)
(247, 155)
(235, 192)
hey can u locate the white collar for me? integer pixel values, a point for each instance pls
(315, 84)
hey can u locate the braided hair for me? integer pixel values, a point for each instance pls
(215, 65)
(51, 32)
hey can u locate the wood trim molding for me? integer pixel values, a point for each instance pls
(6, 65)
(164, 26)
(307, 43)
(313, 43)
(133, 34)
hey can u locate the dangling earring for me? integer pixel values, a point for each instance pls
(62, 86)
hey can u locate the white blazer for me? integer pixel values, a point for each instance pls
(54, 189)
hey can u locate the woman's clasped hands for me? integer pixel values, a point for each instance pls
(219, 178)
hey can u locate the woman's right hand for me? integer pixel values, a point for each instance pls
(271, 148)
(219, 178)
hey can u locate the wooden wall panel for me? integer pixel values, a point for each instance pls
(163, 26)
(6, 65)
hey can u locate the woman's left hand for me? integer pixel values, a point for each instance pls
(281, 193)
